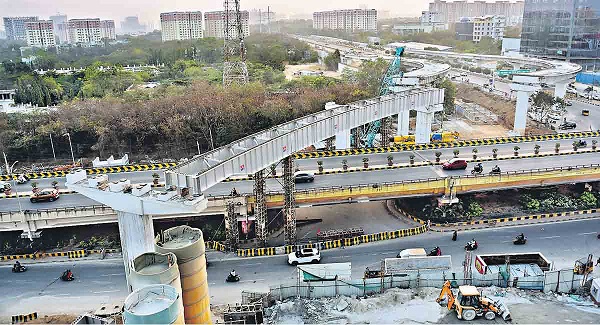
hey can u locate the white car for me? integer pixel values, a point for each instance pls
(304, 256)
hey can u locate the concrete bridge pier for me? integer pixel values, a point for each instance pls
(137, 234)
(424, 121)
(524, 86)
(560, 89)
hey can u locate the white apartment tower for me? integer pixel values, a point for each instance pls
(346, 19)
(181, 25)
(452, 11)
(488, 26)
(85, 31)
(107, 29)
(215, 23)
(60, 24)
(15, 27)
(40, 33)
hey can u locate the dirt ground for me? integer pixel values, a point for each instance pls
(469, 131)
(291, 69)
(496, 104)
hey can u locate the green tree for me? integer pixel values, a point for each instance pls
(474, 210)
(449, 95)
(368, 77)
(332, 60)
(38, 91)
(587, 200)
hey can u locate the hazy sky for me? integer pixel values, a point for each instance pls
(149, 10)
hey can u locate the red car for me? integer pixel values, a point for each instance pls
(455, 163)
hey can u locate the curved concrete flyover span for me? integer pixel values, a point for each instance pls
(260, 150)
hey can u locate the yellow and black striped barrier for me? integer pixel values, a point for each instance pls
(69, 254)
(215, 245)
(464, 143)
(23, 318)
(496, 221)
(95, 171)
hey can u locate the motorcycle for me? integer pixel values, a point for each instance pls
(495, 171)
(67, 276)
(232, 278)
(454, 235)
(435, 252)
(581, 144)
(19, 269)
(471, 246)
(520, 240)
(22, 179)
(477, 170)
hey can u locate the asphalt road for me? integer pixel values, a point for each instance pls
(356, 178)
(104, 281)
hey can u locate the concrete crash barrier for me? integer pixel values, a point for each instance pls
(494, 222)
(23, 318)
(465, 143)
(69, 254)
(187, 244)
(331, 244)
(92, 171)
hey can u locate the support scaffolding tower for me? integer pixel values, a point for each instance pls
(260, 208)
(232, 234)
(289, 209)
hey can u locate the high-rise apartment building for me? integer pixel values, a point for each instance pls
(346, 19)
(40, 33)
(85, 31)
(488, 26)
(60, 24)
(215, 23)
(107, 30)
(181, 25)
(563, 29)
(452, 11)
(15, 27)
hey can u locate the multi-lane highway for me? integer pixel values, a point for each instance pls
(355, 178)
(104, 281)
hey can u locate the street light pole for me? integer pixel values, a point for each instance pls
(71, 146)
(52, 144)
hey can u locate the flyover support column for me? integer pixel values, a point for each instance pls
(424, 121)
(289, 209)
(403, 122)
(523, 86)
(260, 208)
(137, 234)
(560, 89)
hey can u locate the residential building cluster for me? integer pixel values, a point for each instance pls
(346, 19)
(189, 25)
(452, 11)
(59, 30)
(430, 21)
(476, 28)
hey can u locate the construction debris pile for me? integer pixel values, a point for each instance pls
(394, 306)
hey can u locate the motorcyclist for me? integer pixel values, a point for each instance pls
(438, 251)
(496, 169)
(67, 275)
(478, 168)
(521, 237)
(232, 274)
(473, 243)
(234, 192)
(17, 266)
(454, 235)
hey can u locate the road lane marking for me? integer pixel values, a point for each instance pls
(112, 274)
(549, 237)
(106, 291)
(587, 233)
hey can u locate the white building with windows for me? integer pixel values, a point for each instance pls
(85, 31)
(488, 26)
(346, 19)
(108, 30)
(215, 24)
(40, 33)
(181, 25)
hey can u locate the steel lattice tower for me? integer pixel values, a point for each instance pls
(234, 49)
(260, 209)
(289, 209)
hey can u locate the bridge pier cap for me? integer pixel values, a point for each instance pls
(138, 199)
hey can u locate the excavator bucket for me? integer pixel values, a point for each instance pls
(503, 310)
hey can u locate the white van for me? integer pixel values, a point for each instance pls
(412, 252)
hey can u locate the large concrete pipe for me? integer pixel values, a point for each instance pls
(187, 244)
(154, 304)
(155, 268)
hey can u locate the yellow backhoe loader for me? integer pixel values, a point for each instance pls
(469, 303)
